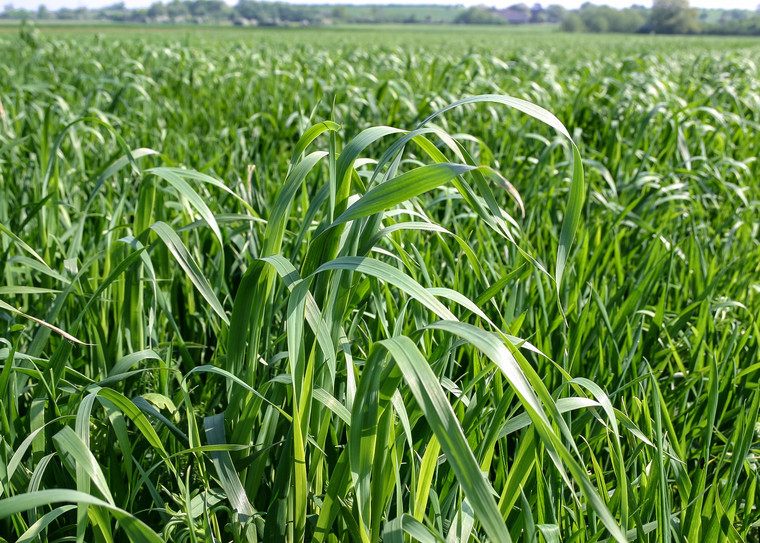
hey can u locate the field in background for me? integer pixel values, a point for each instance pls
(236, 306)
(503, 40)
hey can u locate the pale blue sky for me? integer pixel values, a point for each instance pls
(724, 4)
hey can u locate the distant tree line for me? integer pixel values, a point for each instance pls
(179, 11)
(664, 17)
(245, 12)
(737, 22)
(591, 18)
(514, 14)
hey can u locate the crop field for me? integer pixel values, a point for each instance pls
(361, 285)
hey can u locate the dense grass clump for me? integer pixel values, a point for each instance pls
(275, 289)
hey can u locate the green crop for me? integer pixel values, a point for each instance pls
(474, 287)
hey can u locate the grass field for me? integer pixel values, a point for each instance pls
(268, 285)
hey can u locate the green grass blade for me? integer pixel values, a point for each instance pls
(439, 415)
(136, 530)
(188, 264)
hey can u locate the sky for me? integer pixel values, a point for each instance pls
(570, 4)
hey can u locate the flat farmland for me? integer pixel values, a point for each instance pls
(359, 284)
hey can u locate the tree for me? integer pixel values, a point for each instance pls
(478, 16)
(598, 23)
(64, 14)
(340, 13)
(156, 10)
(198, 8)
(627, 20)
(672, 17)
(177, 10)
(555, 13)
(573, 23)
(248, 9)
(43, 12)
(537, 14)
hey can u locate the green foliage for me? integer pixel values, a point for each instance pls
(664, 18)
(589, 18)
(244, 13)
(573, 23)
(598, 19)
(332, 301)
(672, 17)
(733, 22)
(479, 16)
